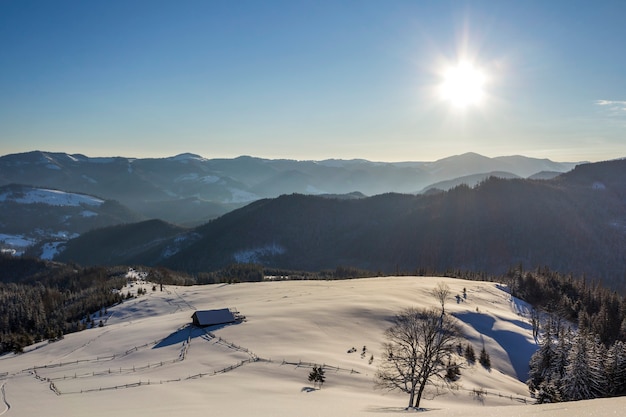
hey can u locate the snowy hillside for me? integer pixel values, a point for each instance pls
(147, 360)
(50, 197)
(38, 221)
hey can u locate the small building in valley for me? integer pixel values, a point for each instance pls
(204, 318)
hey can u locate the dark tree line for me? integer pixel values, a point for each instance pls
(41, 301)
(576, 366)
(595, 309)
(587, 363)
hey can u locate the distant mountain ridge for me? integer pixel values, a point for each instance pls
(470, 180)
(575, 223)
(188, 189)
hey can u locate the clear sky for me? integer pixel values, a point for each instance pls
(313, 79)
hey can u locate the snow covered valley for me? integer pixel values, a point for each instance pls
(148, 360)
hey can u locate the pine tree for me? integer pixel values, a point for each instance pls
(542, 372)
(321, 378)
(597, 353)
(469, 354)
(584, 378)
(317, 376)
(484, 358)
(313, 375)
(615, 366)
(453, 371)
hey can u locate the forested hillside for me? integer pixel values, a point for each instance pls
(41, 300)
(118, 244)
(573, 223)
(581, 330)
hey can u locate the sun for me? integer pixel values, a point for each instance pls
(463, 85)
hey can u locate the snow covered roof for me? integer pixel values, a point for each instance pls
(213, 317)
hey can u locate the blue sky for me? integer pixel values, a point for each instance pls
(312, 79)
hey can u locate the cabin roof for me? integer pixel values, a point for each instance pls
(213, 317)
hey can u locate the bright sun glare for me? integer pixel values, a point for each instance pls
(463, 85)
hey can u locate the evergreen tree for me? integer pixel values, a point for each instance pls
(321, 377)
(561, 353)
(597, 371)
(542, 373)
(469, 353)
(583, 374)
(316, 376)
(615, 366)
(453, 371)
(484, 358)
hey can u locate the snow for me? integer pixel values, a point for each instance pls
(101, 160)
(310, 189)
(50, 250)
(89, 179)
(148, 361)
(255, 255)
(241, 196)
(173, 249)
(51, 198)
(186, 157)
(187, 177)
(88, 213)
(16, 241)
(208, 179)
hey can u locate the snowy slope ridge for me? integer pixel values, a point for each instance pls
(147, 360)
(50, 197)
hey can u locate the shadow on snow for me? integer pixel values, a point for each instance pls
(516, 346)
(189, 331)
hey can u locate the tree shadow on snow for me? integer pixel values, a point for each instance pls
(402, 410)
(518, 348)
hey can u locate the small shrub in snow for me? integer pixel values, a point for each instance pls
(316, 376)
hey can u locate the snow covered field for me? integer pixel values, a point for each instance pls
(147, 359)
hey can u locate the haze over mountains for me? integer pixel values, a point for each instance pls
(575, 222)
(189, 189)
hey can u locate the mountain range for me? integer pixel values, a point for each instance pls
(475, 213)
(574, 223)
(189, 190)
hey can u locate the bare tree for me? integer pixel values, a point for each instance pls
(441, 293)
(414, 355)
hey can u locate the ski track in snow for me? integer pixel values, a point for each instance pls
(3, 393)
